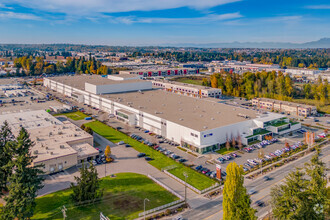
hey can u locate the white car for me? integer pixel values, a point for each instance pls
(120, 143)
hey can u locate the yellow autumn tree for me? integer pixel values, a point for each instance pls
(107, 154)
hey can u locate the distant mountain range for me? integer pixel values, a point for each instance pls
(322, 43)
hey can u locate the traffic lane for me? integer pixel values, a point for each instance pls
(281, 173)
(263, 191)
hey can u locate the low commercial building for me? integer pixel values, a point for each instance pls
(187, 89)
(302, 72)
(283, 106)
(161, 72)
(201, 125)
(58, 145)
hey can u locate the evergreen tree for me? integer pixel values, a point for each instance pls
(318, 200)
(23, 182)
(290, 200)
(236, 202)
(87, 189)
(6, 136)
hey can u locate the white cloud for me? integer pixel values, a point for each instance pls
(318, 6)
(21, 16)
(196, 20)
(89, 7)
(5, 7)
(284, 18)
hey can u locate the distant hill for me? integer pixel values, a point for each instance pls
(322, 43)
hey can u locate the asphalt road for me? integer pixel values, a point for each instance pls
(213, 210)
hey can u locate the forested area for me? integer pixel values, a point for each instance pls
(268, 85)
(311, 58)
(36, 66)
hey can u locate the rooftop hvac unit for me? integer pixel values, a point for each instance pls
(181, 119)
(35, 152)
(62, 146)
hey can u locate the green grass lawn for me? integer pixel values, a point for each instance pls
(224, 150)
(160, 161)
(189, 81)
(123, 199)
(74, 115)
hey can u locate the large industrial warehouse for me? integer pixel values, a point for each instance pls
(200, 124)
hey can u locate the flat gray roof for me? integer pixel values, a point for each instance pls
(14, 81)
(158, 69)
(285, 103)
(198, 114)
(78, 81)
(186, 85)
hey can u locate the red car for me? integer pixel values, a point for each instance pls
(155, 147)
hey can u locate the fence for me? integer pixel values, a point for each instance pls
(166, 187)
(190, 186)
(161, 207)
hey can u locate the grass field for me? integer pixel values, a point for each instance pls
(160, 161)
(224, 150)
(325, 108)
(189, 81)
(74, 115)
(123, 199)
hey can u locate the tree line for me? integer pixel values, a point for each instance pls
(36, 66)
(268, 85)
(310, 58)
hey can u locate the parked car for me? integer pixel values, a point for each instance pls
(148, 158)
(213, 174)
(127, 145)
(205, 170)
(182, 160)
(141, 155)
(121, 143)
(199, 167)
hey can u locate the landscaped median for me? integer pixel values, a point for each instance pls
(123, 198)
(74, 115)
(224, 150)
(197, 180)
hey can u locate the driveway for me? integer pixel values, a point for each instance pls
(125, 161)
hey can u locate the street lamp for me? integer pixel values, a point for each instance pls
(105, 169)
(144, 207)
(185, 186)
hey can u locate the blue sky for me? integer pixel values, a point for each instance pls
(154, 22)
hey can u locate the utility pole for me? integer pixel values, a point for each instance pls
(105, 169)
(144, 207)
(185, 186)
(64, 212)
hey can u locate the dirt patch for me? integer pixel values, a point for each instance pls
(128, 203)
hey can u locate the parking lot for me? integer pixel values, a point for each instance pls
(33, 101)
